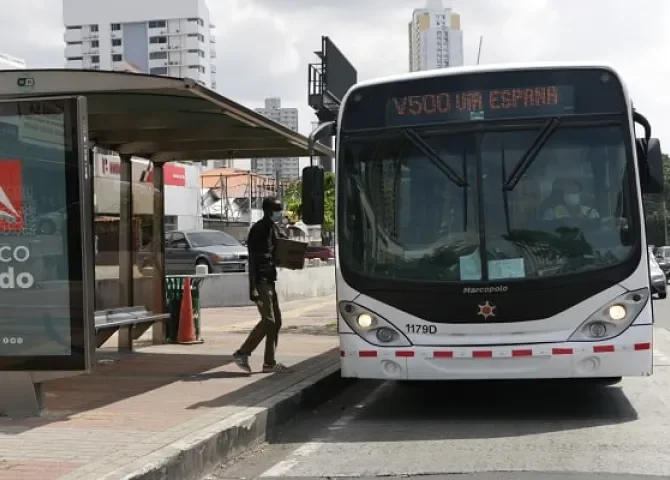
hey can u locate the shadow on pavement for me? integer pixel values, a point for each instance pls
(473, 410)
(116, 377)
(267, 386)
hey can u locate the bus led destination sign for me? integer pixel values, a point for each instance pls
(480, 105)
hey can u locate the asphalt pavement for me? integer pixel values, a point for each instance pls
(480, 431)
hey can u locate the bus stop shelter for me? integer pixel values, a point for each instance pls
(161, 119)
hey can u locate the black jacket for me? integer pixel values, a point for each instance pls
(261, 243)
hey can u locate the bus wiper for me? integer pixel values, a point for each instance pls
(527, 159)
(433, 156)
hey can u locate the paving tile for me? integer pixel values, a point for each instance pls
(134, 404)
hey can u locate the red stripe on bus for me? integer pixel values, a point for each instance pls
(643, 346)
(482, 354)
(404, 353)
(562, 351)
(367, 353)
(522, 353)
(443, 354)
(603, 348)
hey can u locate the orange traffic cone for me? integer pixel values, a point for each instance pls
(186, 332)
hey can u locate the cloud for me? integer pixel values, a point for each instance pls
(264, 46)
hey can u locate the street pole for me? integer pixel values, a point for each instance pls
(479, 52)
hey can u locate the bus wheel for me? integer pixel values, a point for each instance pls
(606, 382)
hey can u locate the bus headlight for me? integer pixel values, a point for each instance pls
(612, 318)
(617, 312)
(365, 320)
(371, 327)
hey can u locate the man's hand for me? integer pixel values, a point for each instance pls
(253, 295)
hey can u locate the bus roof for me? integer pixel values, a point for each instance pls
(498, 67)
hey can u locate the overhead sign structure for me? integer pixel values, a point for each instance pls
(46, 281)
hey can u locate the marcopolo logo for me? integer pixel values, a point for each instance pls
(491, 289)
(12, 276)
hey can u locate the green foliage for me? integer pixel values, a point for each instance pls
(654, 209)
(292, 199)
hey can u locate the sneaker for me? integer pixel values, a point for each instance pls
(242, 361)
(277, 367)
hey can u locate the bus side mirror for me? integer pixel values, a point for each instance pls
(312, 195)
(650, 164)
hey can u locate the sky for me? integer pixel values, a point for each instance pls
(265, 46)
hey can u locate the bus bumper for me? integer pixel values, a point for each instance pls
(629, 354)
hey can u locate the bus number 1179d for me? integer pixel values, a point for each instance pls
(421, 329)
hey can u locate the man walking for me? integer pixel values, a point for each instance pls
(261, 244)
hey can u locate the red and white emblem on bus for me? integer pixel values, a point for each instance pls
(486, 310)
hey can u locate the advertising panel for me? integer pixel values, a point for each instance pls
(45, 296)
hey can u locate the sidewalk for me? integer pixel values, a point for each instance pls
(146, 411)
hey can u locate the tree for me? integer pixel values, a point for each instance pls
(293, 201)
(655, 209)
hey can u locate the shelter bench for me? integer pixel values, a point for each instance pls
(130, 322)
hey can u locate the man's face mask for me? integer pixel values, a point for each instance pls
(572, 199)
(276, 216)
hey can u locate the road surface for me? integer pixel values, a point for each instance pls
(507, 431)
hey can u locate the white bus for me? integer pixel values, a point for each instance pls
(490, 225)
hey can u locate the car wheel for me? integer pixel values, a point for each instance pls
(206, 263)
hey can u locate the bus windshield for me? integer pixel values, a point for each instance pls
(404, 217)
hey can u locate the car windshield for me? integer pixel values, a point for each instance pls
(209, 239)
(404, 218)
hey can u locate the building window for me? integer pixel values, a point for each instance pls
(157, 24)
(116, 42)
(157, 39)
(158, 55)
(73, 27)
(94, 28)
(201, 37)
(117, 57)
(75, 59)
(159, 71)
(73, 43)
(95, 58)
(116, 27)
(95, 44)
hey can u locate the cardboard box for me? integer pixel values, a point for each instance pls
(290, 254)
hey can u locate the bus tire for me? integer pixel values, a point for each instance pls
(607, 381)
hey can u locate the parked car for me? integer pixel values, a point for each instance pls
(321, 252)
(658, 278)
(219, 251)
(662, 255)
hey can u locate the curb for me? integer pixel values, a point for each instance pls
(197, 455)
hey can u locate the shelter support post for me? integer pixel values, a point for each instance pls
(158, 241)
(21, 395)
(126, 260)
(327, 162)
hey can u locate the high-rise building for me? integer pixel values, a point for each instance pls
(162, 37)
(435, 38)
(8, 62)
(285, 168)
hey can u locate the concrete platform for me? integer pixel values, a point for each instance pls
(174, 411)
